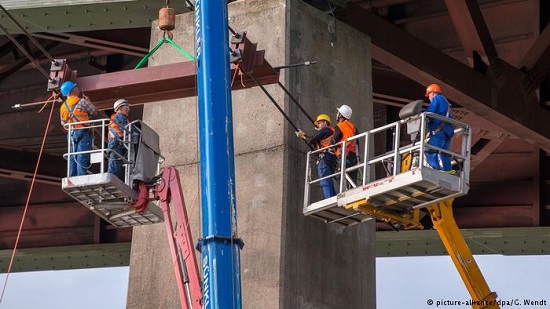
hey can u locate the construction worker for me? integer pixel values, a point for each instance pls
(345, 129)
(327, 160)
(77, 108)
(119, 121)
(439, 132)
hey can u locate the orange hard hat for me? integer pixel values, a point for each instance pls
(433, 88)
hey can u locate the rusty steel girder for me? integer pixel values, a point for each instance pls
(171, 81)
(500, 95)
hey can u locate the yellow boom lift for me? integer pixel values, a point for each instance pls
(398, 187)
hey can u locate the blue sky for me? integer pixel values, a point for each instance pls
(405, 282)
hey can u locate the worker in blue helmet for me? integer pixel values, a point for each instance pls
(76, 109)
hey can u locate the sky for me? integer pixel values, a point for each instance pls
(402, 282)
(91, 288)
(410, 282)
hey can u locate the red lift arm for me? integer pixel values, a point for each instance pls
(168, 190)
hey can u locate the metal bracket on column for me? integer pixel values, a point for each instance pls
(59, 72)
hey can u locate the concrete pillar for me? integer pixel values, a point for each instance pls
(288, 261)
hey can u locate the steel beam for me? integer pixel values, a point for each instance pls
(79, 40)
(498, 95)
(485, 152)
(537, 59)
(165, 82)
(472, 30)
(18, 64)
(20, 164)
(56, 224)
(68, 257)
(507, 241)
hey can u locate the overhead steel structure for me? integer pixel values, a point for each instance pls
(518, 33)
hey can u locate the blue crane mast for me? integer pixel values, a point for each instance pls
(220, 245)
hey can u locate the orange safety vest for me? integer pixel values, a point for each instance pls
(326, 141)
(348, 130)
(70, 114)
(114, 126)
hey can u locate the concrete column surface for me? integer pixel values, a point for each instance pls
(288, 261)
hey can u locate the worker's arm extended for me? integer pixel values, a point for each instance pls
(321, 135)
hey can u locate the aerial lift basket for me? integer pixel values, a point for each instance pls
(398, 181)
(104, 193)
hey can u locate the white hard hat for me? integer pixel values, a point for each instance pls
(119, 103)
(345, 111)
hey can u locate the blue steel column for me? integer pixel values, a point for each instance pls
(220, 255)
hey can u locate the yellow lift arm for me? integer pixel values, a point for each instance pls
(445, 225)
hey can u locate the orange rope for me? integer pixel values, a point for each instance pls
(235, 74)
(242, 77)
(237, 71)
(28, 197)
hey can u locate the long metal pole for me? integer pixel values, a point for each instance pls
(220, 245)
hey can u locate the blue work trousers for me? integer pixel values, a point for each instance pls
(80, 140)
(326, 167)
(439, 161)
(115, 162)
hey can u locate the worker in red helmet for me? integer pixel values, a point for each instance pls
(343, 130)
(77, 108)
(326, 165)
(117, 125)
(439, 132)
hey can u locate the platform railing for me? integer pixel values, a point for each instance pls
(391, 160)
(100, 152)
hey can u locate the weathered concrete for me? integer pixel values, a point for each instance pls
(288, 261)
(325, 266)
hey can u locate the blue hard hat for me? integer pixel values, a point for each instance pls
(67, 87)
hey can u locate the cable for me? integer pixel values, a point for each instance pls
(295, 101)
(294, 65)
(22, 49)
(28, 198)
(35, 42)
(190, 5)
(276, 105)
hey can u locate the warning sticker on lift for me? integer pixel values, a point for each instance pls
(378, 183)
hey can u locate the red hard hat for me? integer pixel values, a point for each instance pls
(433, 88)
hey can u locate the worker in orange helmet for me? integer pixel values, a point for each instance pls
(117, 125)
(439, 132)
(345, 129)
(75, 109)
(326, 165)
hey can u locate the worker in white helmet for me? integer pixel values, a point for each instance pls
(343, 130)
(117, 125)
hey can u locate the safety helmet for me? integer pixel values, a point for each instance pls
(119, 103)
(345, 111)
(433, 88)
(67, 87)
(324, 117)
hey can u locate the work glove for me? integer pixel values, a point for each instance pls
(300, 134)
